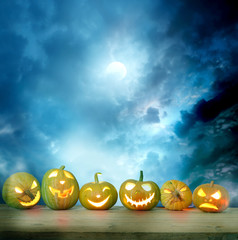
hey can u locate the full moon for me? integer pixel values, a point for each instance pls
(117, 70)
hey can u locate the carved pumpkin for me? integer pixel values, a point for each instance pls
(98, 195)
(60, 189)
(139, 195)
(175, 195)
(211, 197)
(21, 190)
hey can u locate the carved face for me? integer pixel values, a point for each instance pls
(21, 190)
(175, 195)
(139, 195)
(211, 197)
(59, 189)
(98, 195)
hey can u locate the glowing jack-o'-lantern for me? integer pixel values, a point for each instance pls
(98, 195)
(59, 189)
(211, 197)
(175, 195)
(139, 195)
(21, 190)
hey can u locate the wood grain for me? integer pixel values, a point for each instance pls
(116, 223)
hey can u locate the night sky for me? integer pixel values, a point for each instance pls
(173, 112)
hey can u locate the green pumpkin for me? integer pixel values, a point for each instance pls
(60, 189)
(21, 190)
(98, 195)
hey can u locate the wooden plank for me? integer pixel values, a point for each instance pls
(116, 223)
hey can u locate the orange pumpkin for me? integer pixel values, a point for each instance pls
(211, 197)
(175, 195)
(139, 195)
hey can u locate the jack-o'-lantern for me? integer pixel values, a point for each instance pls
(175, 195)
(59, 189)
(98, 195)
(139, 195)
(21, 190)
(211, 197)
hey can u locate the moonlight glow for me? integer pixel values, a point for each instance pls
(117, 70)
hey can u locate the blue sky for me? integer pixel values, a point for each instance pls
(174, 115)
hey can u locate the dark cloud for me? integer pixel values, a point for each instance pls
(183, 127)
(221, 16)
(208, 110)
(215, 152)
(152, 115)
(209, 127)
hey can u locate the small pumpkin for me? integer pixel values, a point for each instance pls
(60, 189)
(98, 195)
(175, 195)
(21, 190)
(211, 197)
(139, 195)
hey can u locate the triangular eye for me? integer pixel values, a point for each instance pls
(183, 189)
(68, 175)
(18, 190)
(146, 186)
(167, 191)
(53, 174)
(34, 184)
(216, 195)
(129, 186)
(201, 193)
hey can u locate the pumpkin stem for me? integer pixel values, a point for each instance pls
(28, 193)
(141, 176)
(62, 167)
(177, 194)
(211, 183)
(96, 177)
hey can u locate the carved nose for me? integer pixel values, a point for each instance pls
(62, 182)
(98, 196)
(207, 199)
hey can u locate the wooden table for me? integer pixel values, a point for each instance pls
(117, 223)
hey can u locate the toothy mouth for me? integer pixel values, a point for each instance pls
(208, 205)
(99, 204)
(143, 202)
(64, 194)
(31, 203)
